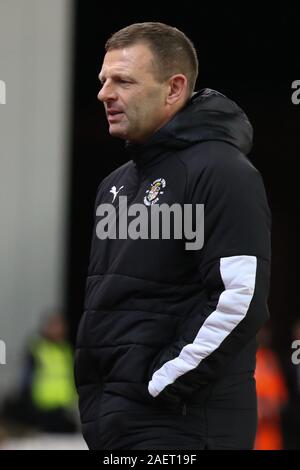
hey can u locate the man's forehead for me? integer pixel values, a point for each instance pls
(138, 57)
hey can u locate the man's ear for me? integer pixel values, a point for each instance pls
(177, 89)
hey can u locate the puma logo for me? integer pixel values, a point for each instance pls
(115, 192)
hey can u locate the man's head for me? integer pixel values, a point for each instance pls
(54, 327)
(148, 73)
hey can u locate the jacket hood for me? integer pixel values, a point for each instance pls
(209, 115)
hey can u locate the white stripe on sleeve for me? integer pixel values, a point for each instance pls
(238, 275)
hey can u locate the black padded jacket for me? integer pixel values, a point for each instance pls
(162, 323)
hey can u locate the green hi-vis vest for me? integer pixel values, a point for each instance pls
(53, 382)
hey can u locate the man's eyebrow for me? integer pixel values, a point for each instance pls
(117, 74)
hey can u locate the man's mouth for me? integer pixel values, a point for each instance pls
(114, 116)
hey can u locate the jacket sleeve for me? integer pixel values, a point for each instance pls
(234, 268)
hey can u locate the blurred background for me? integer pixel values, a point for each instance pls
(54, 152)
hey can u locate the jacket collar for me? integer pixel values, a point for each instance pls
(208, 115)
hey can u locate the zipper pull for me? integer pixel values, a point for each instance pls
(183, 409)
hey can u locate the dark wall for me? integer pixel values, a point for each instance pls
(250, 56)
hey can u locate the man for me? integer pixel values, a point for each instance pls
(46, 399)
(166, 345)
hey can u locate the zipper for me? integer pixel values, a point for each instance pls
(183, 409)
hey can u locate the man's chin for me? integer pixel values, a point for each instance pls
(117, 132)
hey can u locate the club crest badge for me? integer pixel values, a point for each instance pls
(154, 191)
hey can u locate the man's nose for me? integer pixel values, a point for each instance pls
(106, 93)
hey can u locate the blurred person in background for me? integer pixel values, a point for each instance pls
(46, 400)
(271, 393)
(291, 413)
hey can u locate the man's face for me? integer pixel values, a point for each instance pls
(134, 101)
